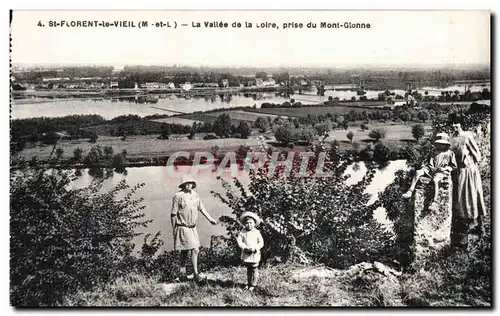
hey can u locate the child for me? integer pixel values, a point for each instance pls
(443, 162)
(250, 241)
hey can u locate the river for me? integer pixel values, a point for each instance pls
(172, 104)
(159, 190)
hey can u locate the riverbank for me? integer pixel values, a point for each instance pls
(149, 150)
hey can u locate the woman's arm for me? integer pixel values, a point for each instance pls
(203, 211)
(175, 210)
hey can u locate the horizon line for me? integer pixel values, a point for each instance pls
(310, 66)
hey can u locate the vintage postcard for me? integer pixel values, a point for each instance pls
(250, 158)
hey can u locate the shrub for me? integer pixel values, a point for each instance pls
(417, 131)
(309, 217)
(63, 240)
(350, 136)
(77, 154)
(377, 134)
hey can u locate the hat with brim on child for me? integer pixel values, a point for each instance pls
(442, 138)
(252, 215)
(187, 178)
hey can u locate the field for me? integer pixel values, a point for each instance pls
(394, 133)
(313, 110)
(147, 146)
(176, 120)
(243, 115)
(235, 115)
(140, 146)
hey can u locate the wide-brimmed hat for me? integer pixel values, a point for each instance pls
(187, 178)
(251, 215)
(442, 138)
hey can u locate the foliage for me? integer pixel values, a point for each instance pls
(93, 137)
(318, 217)
(164, 131)
(377, 134)
(417, 131)
(100, 161)
(64, 239)
(243, 129)
(262, 124)
(77, 154)
(350, 136)
(222, 125)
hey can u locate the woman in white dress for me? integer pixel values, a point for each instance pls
(185, 207)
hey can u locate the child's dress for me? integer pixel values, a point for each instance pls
(250, 239)
(438, 162)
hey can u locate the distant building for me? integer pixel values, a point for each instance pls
(269, 82)
(157, 85)
(187, 86)
(259, 82)
(113, 84)
(118, 69)
(225, 83)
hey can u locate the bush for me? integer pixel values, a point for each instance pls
(417, 131)
(63, 240)
(350, 136)
(93, 137)
(50, 138)
(377, 134)
(77, 154)
(323, 219)
(285, 133)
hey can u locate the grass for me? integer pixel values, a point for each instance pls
(176, 120)
(140, 146)
(451, 279)
(147, 146)
(243, 115)
(396, 132)
(275, 288)
(313, 110)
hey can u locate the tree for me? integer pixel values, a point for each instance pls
(243, 129)
(262, 124)
(50, 138)
(322, 128)
(285, 134)
(164, 131)
(77, 154)
(338, 228)
(222, 125)
(377, 134)
(59, 153)
(93, 137)
(418, 131)
(63, 240)
(108, 152)
(350, 136)
(423, 115)
(405, 116)
(119, 163)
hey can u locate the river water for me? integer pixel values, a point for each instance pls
(172, 104)
(160, 188)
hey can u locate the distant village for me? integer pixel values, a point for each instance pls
(120, 78)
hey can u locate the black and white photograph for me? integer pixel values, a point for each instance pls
(250, 158)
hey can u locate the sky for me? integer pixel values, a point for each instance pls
(395, 38)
